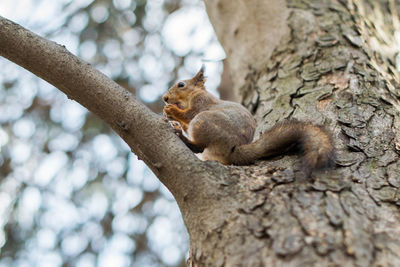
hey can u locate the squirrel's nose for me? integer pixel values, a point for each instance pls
(165, 98)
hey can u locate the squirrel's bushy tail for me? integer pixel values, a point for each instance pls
(314, 142)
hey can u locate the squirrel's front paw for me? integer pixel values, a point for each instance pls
(169, 111)
(177, 127)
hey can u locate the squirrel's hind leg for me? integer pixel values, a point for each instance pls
(189, 143)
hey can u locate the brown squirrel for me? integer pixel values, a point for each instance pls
(223, 130)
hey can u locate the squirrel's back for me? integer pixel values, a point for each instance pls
(222, 126)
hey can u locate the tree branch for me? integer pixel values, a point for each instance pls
(257, 27)
(148, 134)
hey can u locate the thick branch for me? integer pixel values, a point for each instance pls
(258, 28)
(148, 134)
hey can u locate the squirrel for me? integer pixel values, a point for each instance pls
(223, 131)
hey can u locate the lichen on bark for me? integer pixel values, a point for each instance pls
(335, 68)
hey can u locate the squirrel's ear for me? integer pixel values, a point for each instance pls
(199, 78)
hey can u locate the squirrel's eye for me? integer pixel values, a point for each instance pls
(181, 84)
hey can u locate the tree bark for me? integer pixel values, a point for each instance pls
(329, 62)
(332, 62)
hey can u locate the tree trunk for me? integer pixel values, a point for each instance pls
(329, 62)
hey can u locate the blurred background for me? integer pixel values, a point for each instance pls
(71, 192)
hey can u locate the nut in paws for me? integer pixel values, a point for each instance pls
(169, 111)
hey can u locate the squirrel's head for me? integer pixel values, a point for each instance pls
(179, 94)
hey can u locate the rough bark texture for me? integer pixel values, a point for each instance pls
(330, 62)
(334, 66)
